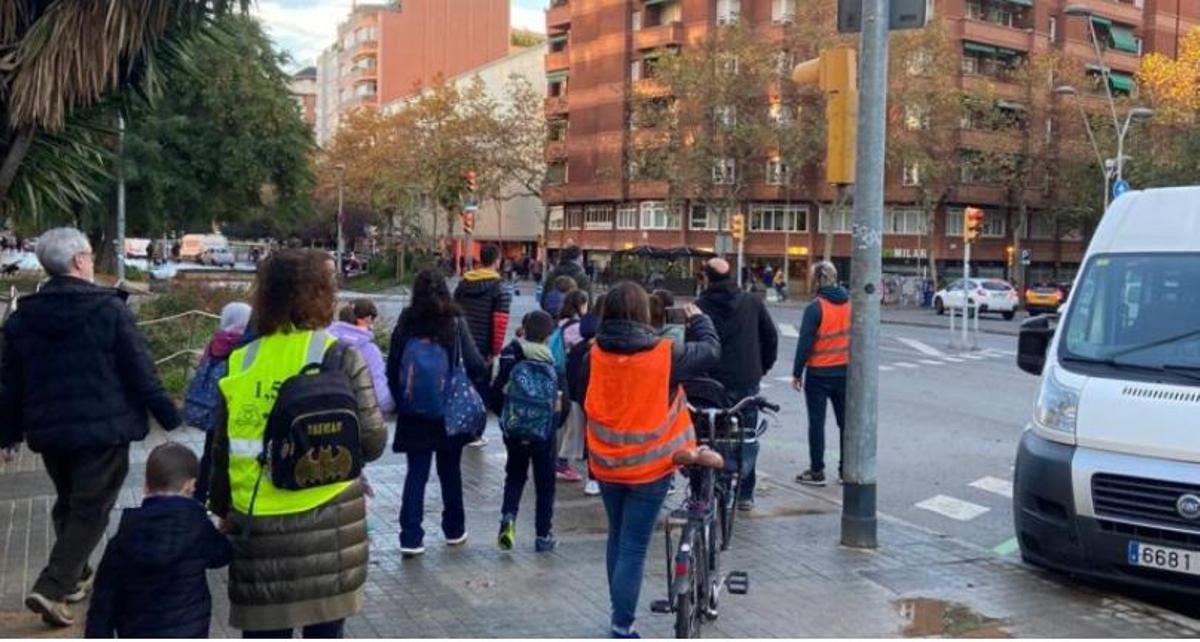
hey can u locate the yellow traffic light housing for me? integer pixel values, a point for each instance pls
(738, 226)
(972, 224)
(835, 72)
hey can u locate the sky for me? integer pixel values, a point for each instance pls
(304, 27)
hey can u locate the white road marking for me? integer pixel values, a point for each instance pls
(931, 362)
(901, 364)
(921, 347)
(1001, 487)
(1002, 353)
(957, 509)
(952, 359)
(886, 368)
(972, 357)
(784, 380)
(788, 330)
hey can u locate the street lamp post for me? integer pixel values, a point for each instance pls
(340, 168)
(1112, 167)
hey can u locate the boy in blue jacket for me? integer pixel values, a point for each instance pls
(152, 581)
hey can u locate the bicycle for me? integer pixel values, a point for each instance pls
(705, 519)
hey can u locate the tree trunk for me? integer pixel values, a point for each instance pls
(931, 258)
(13, 156)
(1018, 266)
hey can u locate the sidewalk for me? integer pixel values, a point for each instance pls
(802, 584)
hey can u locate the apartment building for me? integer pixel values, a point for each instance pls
(303, 87)
(595, 49)
(389, 50)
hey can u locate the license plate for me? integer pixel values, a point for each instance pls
(1164, 557)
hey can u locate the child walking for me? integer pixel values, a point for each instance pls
(529, 390)
(152, 581)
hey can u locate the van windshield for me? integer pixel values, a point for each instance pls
(1140, 311)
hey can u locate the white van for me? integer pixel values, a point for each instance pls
(1107, 480)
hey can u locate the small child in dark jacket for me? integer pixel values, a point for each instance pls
(528, 393)
(152, 581)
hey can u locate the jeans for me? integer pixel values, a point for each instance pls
(412, 505)
(632, 510)
(749, 421)
(817, 391)
(87, 483)
(324, 630)
(516, 470)
(203, 480)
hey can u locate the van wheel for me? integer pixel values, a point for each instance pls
(939, 307)
(1008, 316)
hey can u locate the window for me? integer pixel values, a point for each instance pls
(780, 113)
(556, 217)
(364, 90)
(954, 221)
(783, 11)
(556, 173)
(784, 62)
(777, 217)
(777, 172)
(903, 221)
(728, 64)
(918, 62)
(994, 225)
(704, 217)
(557, 130)
(911, 174)
(724, 172)
(627, 214)
(558, 42)
(556, 86)
(637, 21)
(574, 217)
(657, 216)
(838, 222)
(971, 167)
(598, 217)
(728, 11)
(725, 117)
(635, 70)
(916, 117)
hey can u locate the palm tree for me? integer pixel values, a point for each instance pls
(63, 65)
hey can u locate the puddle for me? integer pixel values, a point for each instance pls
(925, 617)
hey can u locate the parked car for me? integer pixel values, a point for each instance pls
(990, 295)
(221, 256)
(1044, 298)
(1107, 478)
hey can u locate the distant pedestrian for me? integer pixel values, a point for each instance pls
(780, 285)
(76, 383)
(552, 300)
(570, 264)
(819, 370)
(203, 394)
(356, 327)
(153, 581)
(768, 277)
(574, 307)
(485, 304)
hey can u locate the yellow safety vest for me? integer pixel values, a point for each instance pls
(255, 373)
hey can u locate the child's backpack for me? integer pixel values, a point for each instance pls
(312, 436)
(531, 395)
(558, 350)
(552, 303)
(424, 369)
(200, 400)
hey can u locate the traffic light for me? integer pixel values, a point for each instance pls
(470, 176)
(468, 222)
(1011, 252)
(972, 224)
(739, 227)
(835, 71)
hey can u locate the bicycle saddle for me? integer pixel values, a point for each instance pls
(703, 456)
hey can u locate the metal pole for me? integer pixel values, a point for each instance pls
(120, 241)
(859, 522)
(340, 240)
(966, 291)
(741, 257)
(1104, 72)
(1087, 126)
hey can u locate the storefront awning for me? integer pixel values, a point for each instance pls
(1123, 40)
(1007, 53)
(1121, 82)
(975, 47)
(1023, 3)
(556, 76)
(1100, 21)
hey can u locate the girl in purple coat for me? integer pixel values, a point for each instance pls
(354, 328)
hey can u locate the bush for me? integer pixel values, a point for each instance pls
(189, 333)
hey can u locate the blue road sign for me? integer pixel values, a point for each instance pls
(1119, 188)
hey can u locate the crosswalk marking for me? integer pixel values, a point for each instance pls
(886, 368)
(931, 362)
(921, 347)
(953, 508)
(901, 364)
(784, 379)
(1001, 487)
(972, 357)
(788, 330)
(952, 359)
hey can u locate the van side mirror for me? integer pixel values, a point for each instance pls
(1032, 343)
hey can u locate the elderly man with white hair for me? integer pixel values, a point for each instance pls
(76, 382)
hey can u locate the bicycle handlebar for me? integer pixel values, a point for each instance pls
(756, 401)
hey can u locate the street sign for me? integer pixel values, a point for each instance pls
(1026, 256)
(905, 14)
(1119, 188)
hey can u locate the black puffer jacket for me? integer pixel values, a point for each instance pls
(749, 340)
(485, 302)
(571, 269)
(77, 372)
(152, 581)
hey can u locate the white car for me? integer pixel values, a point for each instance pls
(217, 256)
(990, 295)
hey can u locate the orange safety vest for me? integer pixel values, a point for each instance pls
(633, 427)
(832, 347)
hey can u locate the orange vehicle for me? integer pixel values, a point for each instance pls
(1043, 298)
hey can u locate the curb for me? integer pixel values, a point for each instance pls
(920, 324)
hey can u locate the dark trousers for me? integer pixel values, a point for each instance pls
(87, 483)
(521, 455)
(202, 481)
(632, 511)
(818, 391)
(324, 630)
(749, 421)
(412, 505)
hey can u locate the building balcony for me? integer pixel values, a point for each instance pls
(998, 35)
(364, 49)
(1114, 59)
(987, 85)
(649, 88)
(981, 194)
(558, 15)
(558, 60)
(556, 150)
(660, 36)
(652, 190)
(556, 105)
(1122, 12)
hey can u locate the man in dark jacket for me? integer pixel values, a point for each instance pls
(749, 346)
(485, 300)
(76, 382)
(569, 264)
(152, 581)
(822, 354)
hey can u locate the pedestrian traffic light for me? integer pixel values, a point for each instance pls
(739, 226)
(470, 176)
(468, 222)
(972, 224)
(835, 71)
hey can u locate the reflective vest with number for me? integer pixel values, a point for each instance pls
(633, 426)
(832, 347)
(255, 373)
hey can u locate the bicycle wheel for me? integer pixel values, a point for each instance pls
(713, 571)
(688, 603)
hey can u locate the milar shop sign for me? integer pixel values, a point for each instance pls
(905, 253)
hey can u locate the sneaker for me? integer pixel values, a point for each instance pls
(479, 443)
(53, 613)
(457, 541)
(545, 544)
(745, 505)
(811, 478)
(591, 488)
(564, 472)
(508, 533)
(629, 634)
(83, 587)
(409, 552)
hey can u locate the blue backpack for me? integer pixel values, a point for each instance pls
(424, 369)
(531, 394)
(202, 393)
(553, 301)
